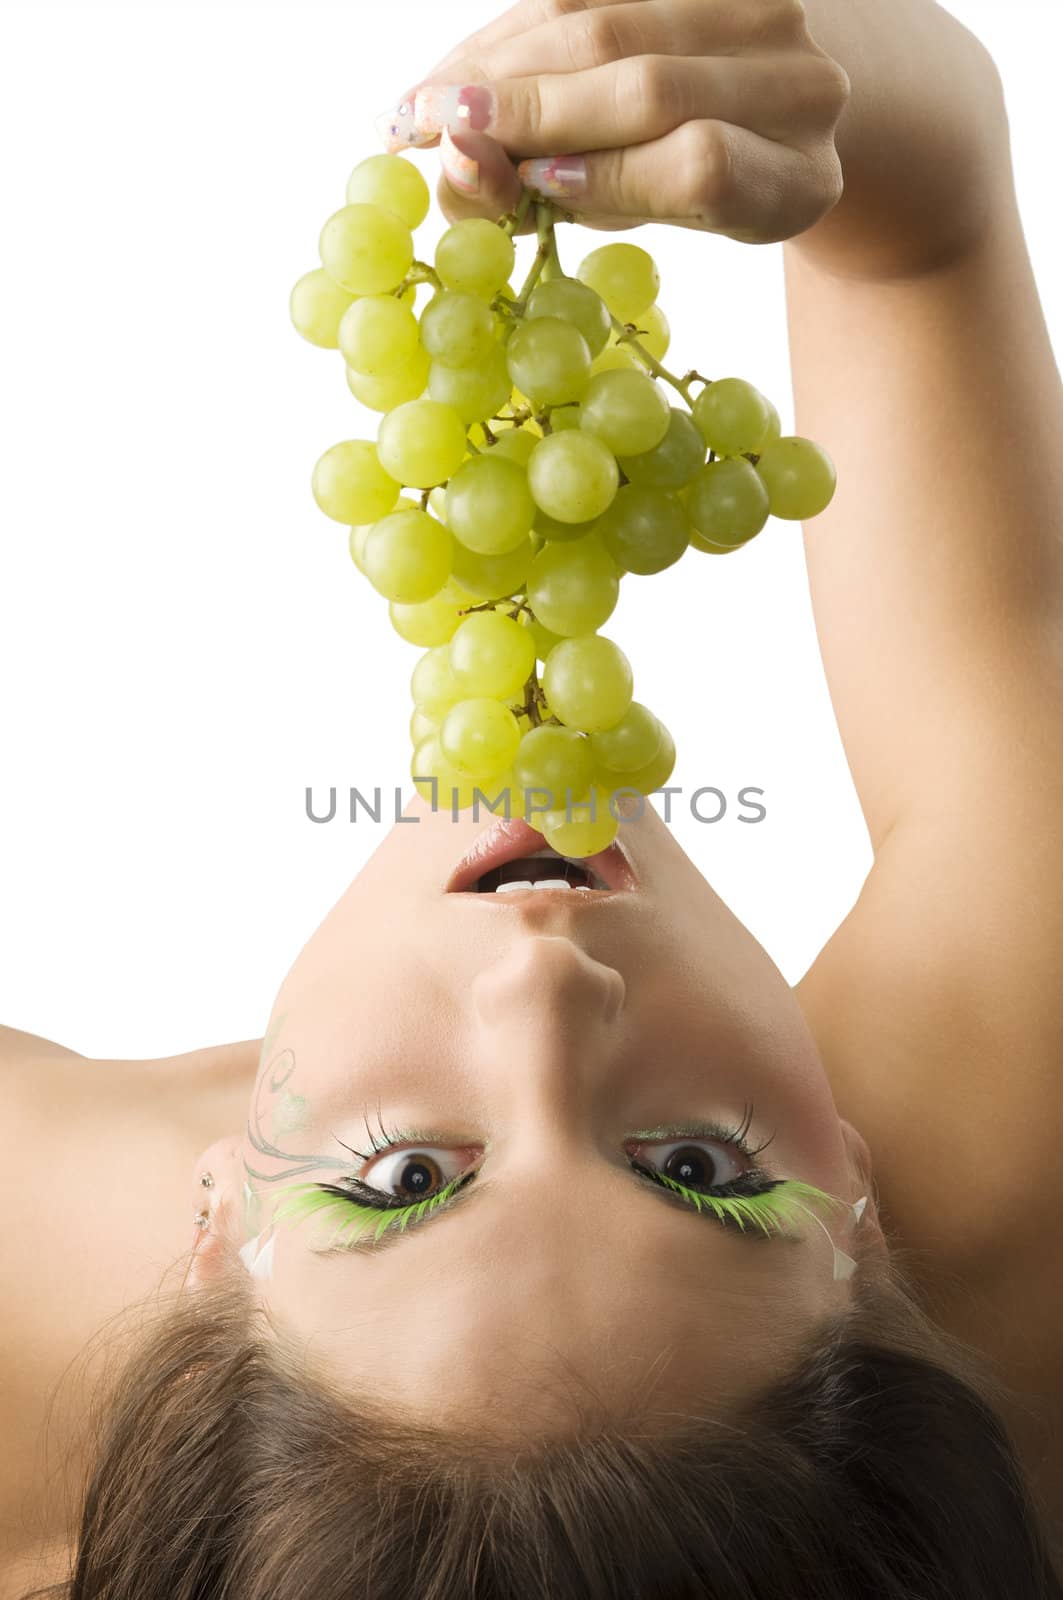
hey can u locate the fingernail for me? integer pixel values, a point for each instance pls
(462, 172)
(396, 128)
(437, 106)
(556, 175)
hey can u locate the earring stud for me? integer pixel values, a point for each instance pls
(207, 1180)
(202, 1219)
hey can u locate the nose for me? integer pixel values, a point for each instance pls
(547, 974)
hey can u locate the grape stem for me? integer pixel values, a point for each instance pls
(515, 219)
(626, 333)
(544, 223)
(420, 272)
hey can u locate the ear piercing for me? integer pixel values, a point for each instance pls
(202, 1218)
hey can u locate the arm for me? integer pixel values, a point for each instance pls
(938, 595)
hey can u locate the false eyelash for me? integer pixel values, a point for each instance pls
(769, 1203)
(302, 1200)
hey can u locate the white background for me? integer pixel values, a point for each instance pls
(185, 644)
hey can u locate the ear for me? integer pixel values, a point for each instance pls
(214, 1246)
(860, 1161)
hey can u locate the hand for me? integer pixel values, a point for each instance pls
(711, 114)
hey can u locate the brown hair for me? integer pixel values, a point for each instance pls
(224, 1469)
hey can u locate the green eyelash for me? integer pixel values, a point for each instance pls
(303, 1200)
(772, 1211)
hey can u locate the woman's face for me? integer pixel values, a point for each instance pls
(538, 1036)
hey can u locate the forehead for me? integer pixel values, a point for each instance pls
(530, 1301)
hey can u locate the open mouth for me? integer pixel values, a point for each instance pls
(511, 857)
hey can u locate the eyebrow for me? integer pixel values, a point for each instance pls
(366, 1245)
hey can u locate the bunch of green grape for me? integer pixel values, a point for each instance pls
(547, 463)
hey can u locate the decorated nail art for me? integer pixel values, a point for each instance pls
(396, 127)
(562, 176)
(455, 106)
(462, 172)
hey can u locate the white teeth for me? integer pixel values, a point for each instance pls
(553, 883)
(504, 888)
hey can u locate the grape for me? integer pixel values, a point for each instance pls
(626, 411)
(654, 775)
(365, 249)
(454, 789)
(550, 528)
(407, 556)
(421, 443)
(588, 682)
(394, 389)
(544, 638)
(617, 358)
(549, 361)
(557, 760)
(573, 302)
(356, 543)
(473, 392)
(433, 685)
(727, 502)
(492, 577)
(351, 485)
(564, 417)
(674, 461)
(631, 743)
(625, 276)
(432, 621)
(378, 335)
(644, 530)
(572, 476)
(489, 505)
(516, 444)
(774, 428)
(573, 588)
(654, 334)
(393, 183)
(421, 727)
(581, 829)
(479, 735)
(317, 305)
(475, 256)
(457, 329)
(732, 416)
(799, 477)
(492, 655)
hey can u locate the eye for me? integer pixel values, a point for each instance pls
(687, 1162)
(415, 1174)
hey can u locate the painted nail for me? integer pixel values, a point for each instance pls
(555, 175)
(396, 129)
(462, 172)
(455, 106)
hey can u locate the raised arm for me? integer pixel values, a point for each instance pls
(920, 352)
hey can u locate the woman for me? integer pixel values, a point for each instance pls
(598, 1376)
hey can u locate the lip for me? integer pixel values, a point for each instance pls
(512, 837)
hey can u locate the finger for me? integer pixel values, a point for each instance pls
(478, 179)
(707, 174)
(518, 20)
(639, 99)
(559, 34)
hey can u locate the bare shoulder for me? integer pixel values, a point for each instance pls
(97, 1158)
(938, 1003)
(18, 1048)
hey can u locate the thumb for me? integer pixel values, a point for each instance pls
(478, 178)
(706, 174)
